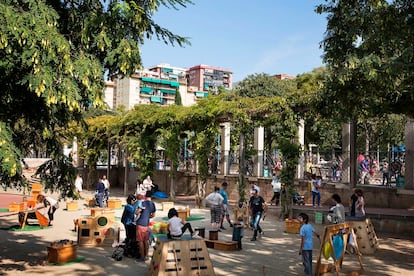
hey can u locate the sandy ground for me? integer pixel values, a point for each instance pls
(276, 253)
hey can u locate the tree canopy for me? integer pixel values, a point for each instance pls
(53, 58)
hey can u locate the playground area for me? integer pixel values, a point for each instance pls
(275, 253)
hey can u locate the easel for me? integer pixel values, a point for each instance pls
(330, 231)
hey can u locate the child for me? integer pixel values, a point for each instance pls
(239, 225)
(177, 227)
(306, 244)
(337, 212)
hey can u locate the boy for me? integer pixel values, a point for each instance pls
(306, 244)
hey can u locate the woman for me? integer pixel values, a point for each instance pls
(48, 202)
(128, 219)
(337, 212)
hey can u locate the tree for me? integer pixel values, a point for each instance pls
(53, 55)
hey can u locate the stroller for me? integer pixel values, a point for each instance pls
(298, 199)
(128, 249)
(104, 199)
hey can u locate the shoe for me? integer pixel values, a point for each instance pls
(221, 227)
(253, 239)
(195, 233)
(219, 230)
(231, 224)
(261, 233)
(147, 258)
(140, 260)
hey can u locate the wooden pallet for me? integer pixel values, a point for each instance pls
(222, 245)
(181, 257)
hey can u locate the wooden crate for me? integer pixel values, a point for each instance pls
(292, 226)
(181, 258)
(183, 214)
(167, 205)
(61, 253)
(16, 207)
(72, 206)
(114, 204)
(222, 245)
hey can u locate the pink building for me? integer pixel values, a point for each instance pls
(204, 78)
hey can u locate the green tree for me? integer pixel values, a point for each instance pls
(53, 55)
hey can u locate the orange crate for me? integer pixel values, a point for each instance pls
(61, 253)
(16, 207)
(114, 204)
(292, 226)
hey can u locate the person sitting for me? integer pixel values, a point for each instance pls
(177, 227)
(337, 212)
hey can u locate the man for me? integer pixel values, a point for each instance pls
(146, 212)
(225, 211)
(364, 170)
(256, 204)
(215, 200)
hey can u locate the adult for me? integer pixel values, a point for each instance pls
(256, 204)
(364, 170)
(100, 193)
(177, 226)
(360, 204)
(127, 218)
(78, 184)
(316, 194)
(148, 183)
(276, 185)
(140, 188)
(215, 200)
(105, 181)
(352, 204)
(146, 212)
(337, 212)
(50, 204)
(385, 173)
(225, 211)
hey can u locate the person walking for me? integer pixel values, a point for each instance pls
(256, 205)
(306, 243)
(276, 190)
(385, 174)
(225, 210)
(78, 185)
(215, 200)
(316, 185)
(146, 212)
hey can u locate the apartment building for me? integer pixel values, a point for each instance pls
(202, 79)
(161, 83)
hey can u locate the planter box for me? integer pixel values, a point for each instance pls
(292, 226)
(61, 253)
(72, 206)
(16, 207)
(167, 205)
(114, 204)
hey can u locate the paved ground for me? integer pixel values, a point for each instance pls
(276, 253)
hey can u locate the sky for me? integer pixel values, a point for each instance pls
(244, 36)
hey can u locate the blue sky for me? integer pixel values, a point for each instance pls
(247, 37)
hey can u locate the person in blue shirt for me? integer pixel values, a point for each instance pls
(225, 210)
(127, 218)
(100, 192)
(306, 245)
(146, 212)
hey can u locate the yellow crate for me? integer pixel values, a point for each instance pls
(16, 207)
(60, 254)
(72, 206)
(292, 226)
(167, 205)
(114, 203)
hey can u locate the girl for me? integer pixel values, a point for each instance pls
(177, 227)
